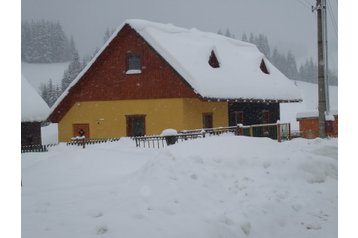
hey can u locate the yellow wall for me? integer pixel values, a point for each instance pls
(108, 118)
(194, 109)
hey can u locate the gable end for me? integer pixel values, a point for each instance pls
(107, 76)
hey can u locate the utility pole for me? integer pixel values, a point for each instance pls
(325, 47)
(321, 6)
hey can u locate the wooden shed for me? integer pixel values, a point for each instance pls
(309, 124)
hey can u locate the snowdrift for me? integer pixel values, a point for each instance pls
(224, 186)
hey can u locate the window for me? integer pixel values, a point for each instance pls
(263, 67)
(208, 120)
(213, 61)
(133, 64)
(239, 117)
(135, 125)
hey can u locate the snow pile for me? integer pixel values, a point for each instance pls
(33, 107)
(169, 132)
(224, 186)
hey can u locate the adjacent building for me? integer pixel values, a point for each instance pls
(34, 110)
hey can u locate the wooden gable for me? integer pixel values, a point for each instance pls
(107, 78)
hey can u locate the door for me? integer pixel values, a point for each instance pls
(239, 117)
(208, 120)
(77, 128)
(135, 125)
(265, 120)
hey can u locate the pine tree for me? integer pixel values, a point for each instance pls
(309, 71)
(44, 42)
(44, 93)
(291, 66)
(72, 48)
(74, 68)
(252, 39)
(26, 40)
(262, 44)
(50, 92)
(280, 61)
(107, 34)
(244, 37)
(52, 97)
(228, 33)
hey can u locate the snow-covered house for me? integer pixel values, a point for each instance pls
(34, 110)
(151, 76)
(309, 124)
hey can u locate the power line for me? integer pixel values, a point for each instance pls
(308, 3)
(332, 14)
(332, 18)
(304, 3)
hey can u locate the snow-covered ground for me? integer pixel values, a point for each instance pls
(49, 134)
(38, 74)
(223, 186)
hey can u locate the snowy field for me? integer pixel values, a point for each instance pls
(224, 186)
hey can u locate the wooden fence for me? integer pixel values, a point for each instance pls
(35, 148)
(277, 131)
(76, 142)
(91, 141)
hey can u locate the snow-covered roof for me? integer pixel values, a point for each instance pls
(188, 50)
(314, 114)
(33, 107)
(239, 75)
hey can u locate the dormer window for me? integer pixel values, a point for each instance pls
(213, 60)
(263, 67)
(134, 64)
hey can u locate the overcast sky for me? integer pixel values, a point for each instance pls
(289, 24)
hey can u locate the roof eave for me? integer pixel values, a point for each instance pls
(251, 100)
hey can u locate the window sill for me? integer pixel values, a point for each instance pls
(134, 71)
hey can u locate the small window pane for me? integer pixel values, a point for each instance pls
(134, 62)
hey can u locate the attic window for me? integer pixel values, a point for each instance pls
(133, 64)
(213, 61)
(263, 67)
